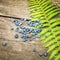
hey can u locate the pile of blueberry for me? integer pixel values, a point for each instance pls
(24, 30)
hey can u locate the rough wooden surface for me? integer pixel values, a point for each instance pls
(16, 49)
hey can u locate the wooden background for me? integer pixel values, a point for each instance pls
(16, 49)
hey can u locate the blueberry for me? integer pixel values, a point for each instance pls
(49, 30)
(22, 19)
(17, 23)
(17, 29)
(13, 21)
(27, 29)
(4, 43)
(40, 54)
(33, 31)
(16, 36)
(36, 21)
(34, 24)
(20, 24)
(24, 37)
(34, 50)
(45, 54)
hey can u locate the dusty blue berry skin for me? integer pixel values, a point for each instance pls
(40, 54)
(34, 50)
(13, 21)
(24, 37)
(49, 30)
(20, 24)
(16, 36)
(45, 54)
(17, 29)
(22, 19)
(4, 43)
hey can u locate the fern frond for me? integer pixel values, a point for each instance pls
(47, 12)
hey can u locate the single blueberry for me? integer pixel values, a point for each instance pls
(4, 43)
(34, 24)
(40, 54)
(33, 31)
(17, 29)
(49, 30)
(16, 36)
(17, 23)
(20, 24)
(13, 21)
(24, 37)
(34, 50)
(45, 54)
(22, 19)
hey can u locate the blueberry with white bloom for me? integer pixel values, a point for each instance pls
(23, 19)
(49, 30)
(30, 30)
(17, 29)
(39, 30)
(4, 43)
(23, 32)
(27, 29)
(24, 37)
(33, 31)
(45, 54)
(20, 24)
(13, 21)
(40, 54)
(34, 24)
(17, 23)
(30, 23)
(34, 50)
(16, 36)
